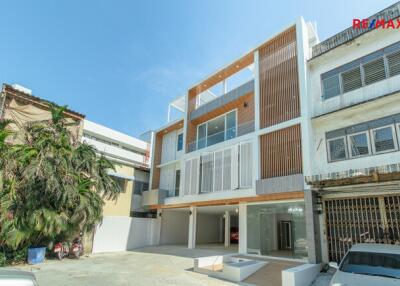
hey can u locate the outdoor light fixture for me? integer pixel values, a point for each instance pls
(160, 214)
(237, 210)
(245, 104)
(190, 212)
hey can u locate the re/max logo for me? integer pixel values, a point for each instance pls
(376, 24)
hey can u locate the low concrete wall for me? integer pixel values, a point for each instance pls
(301, 275)
(124, 233)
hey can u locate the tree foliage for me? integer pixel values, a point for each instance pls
(51, 184)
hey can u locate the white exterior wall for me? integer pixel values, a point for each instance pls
(359, 47)
(358, 113)
(174, 227)
(124, 233)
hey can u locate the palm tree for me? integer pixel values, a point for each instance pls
(53, 185)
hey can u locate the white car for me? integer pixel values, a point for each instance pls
(369, 264)
(15, 277)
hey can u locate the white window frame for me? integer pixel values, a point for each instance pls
(345, 148)
(206, 123)
(349, 151)
(393, 136)
(398, 133)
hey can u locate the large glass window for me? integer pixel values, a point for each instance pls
(217, 130)
(337, 149)
(277, 229)
(383, 139)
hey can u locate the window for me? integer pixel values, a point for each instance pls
(383, 139)
(367, 70)
(394, 63)
(231, 125)
(358, 144)
(217, 130)
(180, 142)
(121, 182)
(374, 71)
(351, 79)
(201, 136)
(337, 149)
(177, 182)
(331, 86)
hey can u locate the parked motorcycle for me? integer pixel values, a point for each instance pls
(77, 247)
(61, 249)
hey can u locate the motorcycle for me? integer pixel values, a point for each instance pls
(77, 247)
(61, 249)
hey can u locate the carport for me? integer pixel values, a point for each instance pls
(205, 227)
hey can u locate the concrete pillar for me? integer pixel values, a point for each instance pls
(242, 228)
(192, 227)
(312, 228)
(227, 229)
(155, 230)
(225, 86)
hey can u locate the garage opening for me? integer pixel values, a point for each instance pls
(217, 227)
(175, 227)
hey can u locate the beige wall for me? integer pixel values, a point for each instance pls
(122, 206)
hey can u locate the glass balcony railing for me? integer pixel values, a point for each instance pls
(221, 136)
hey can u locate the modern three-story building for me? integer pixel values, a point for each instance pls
(231, 169)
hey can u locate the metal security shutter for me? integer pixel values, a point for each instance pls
(188, 165)
(351, 79)
(207, 173)
(331, 86)
(394, 63)
(374, 219)
(227, 169)
(246, 163)
(218, 174)
(374, 71)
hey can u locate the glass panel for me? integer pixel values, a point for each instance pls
(216, 131)
(337, 149)
(331, 86)
(180, 142)
(201, 139)
(359, 144)
(383, 139)
(231, 125)
(277, 229)
(177, 182)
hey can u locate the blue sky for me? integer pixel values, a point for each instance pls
(121, 62)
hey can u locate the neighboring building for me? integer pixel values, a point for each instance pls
(235, 161)
(131, 160)
(354, 94)
(19, 105)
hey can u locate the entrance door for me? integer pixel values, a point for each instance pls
(285, 235)
(267, 233)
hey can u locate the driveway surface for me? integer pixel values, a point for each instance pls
(148, 266)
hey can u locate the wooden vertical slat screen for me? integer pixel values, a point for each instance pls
(279, 84)
(281, 153)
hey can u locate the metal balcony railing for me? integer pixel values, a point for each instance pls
(221, 136)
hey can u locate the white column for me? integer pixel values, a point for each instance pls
(242, 228)
(192, 227)
(256, 153)
(227, 229)
(225, 86)
(155, 230)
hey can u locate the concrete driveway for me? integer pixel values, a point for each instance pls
(149, 266)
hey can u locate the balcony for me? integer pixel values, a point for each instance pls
(230, 133)
(220, 101)
(117, 152)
